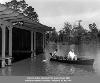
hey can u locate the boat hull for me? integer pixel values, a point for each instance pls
(78, 61)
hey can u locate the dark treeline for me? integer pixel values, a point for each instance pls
(74, 34)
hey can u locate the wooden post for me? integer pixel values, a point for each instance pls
(10, 45)
(34, 43)
(44, 41)
(3, 44)
(31, 44)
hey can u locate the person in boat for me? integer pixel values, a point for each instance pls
(54, 54)
(72, 55)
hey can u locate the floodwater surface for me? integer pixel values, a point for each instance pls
(41, 66)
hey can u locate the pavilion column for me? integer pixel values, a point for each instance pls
(32, 44)
(3, 44)
(10, 45)
(49, 36)
(44, 41)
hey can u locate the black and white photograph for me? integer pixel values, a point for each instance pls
(49, 41)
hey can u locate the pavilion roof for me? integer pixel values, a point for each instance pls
(10, 15)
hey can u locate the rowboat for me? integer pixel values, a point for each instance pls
(80, 61)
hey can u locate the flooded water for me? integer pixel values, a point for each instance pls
(62, 69)
(41, 66)
(91, 51)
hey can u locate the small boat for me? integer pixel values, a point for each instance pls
(80, 61)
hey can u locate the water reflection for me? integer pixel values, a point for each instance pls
(62, 69)
(88, 51)
(97, 63)
(38, 67)
(6, 71)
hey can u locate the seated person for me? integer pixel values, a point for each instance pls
(71, 55)
(54, 54)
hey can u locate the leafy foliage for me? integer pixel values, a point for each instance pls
(54, 35)
(76, 34)
(22, 7)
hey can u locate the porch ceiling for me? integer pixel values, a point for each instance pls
(12, 16)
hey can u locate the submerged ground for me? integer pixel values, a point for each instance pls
(41, 66)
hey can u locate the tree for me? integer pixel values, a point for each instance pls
(54, 35)
(93, 30)
(67, 28)
(78, 32)
(93, 27)
(22, 7)
(67, 31)
(31, 13)
(60, 37)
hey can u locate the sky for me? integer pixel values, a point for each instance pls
(54, 13)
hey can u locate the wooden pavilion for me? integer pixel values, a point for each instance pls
(20, 37)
